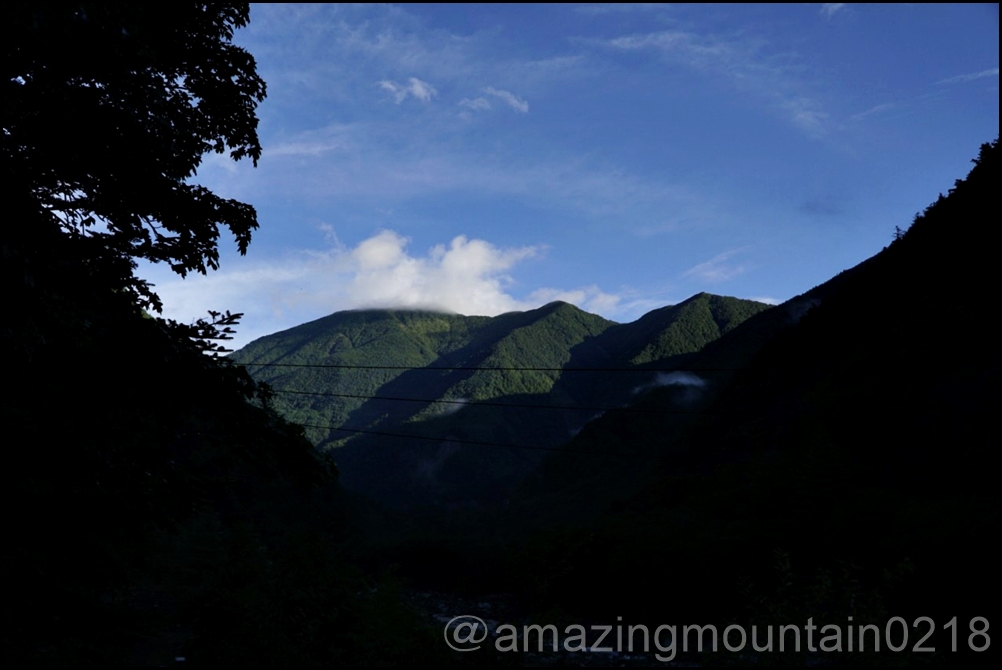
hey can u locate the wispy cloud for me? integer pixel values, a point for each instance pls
(303, 148)
(696, 48)
(335, 52)
(830, 9)
(513, 101)
(716, 270)
(691, 385)
(767, 299)
(341, 138)
(391, 162)
(421, 90)
(745, 61)
(805, 113)
(876, 109)
(599, 8)
(993, 72)
(483, 104)
(475, 103)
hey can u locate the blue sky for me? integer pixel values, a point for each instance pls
(482, 159)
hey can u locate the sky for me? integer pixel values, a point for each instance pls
(483, 159)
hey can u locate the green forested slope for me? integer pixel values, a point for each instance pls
(516, 359)
(354, 340)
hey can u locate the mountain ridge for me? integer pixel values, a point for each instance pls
(515, 358)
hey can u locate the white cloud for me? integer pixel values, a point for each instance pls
(692, 383)
(467, 276)
(993, 72)
(399, 92)
(716, 270)
(513, 101)
(830, 9)
(451, 407)
(766, 299)
(421, 90)
(303, 148)
(475, 104)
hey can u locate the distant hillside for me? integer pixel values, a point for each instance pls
(627, 449)
(385, 368)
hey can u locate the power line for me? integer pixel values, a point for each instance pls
(338, 366)
(483, 403)
(486, 403)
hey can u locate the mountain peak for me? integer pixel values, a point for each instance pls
(559, 305)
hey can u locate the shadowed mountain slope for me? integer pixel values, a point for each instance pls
(846, 468)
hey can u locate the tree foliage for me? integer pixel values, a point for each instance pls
(124, 427)
(107, 112)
